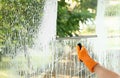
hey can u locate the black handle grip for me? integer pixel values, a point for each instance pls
(80, 45)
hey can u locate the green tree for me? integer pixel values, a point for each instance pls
(19, 21)
(68, 18)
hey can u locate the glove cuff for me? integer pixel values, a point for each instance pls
(90, 63)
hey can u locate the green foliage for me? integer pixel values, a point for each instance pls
(112, 10)
(85, 4)
(19, 20)
(68, 20)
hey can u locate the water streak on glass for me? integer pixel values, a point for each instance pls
(47, 57)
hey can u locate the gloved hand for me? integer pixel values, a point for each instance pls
(84, 56)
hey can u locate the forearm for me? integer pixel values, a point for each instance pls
(104, 73)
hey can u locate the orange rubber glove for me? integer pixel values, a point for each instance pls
(83, 56)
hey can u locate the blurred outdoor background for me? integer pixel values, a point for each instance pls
(38, 37)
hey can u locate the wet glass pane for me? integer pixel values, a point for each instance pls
(25, 52)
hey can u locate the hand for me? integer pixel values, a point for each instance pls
(84, 57)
